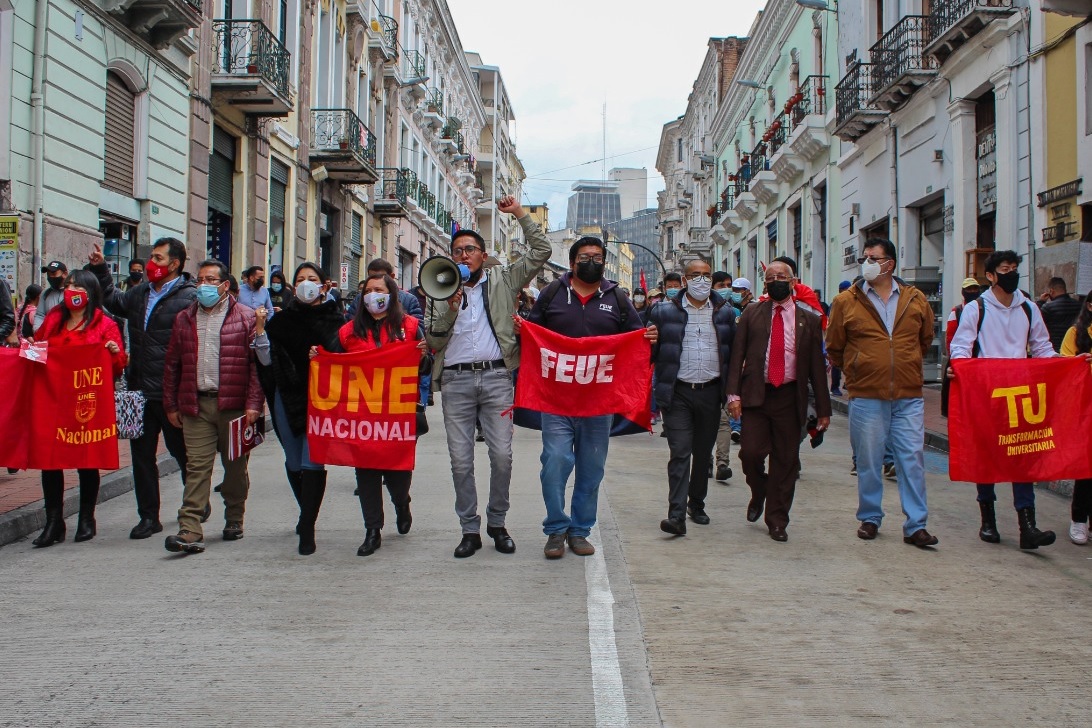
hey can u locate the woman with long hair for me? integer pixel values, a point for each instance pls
(280, 293)
(1078, 340)
(24, 321)
(379, 321)
(308, 320)
(80, 320)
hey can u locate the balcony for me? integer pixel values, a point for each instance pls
(159, 22)
(250, 69)
(764, 184)
(434, 108)
(899, 66)
(485, 156)
(856, 114)
(700, 242)
(953, 22)
(808, 136)
(341, 143)
(731, 222)
(391, 192)
(409, 73)
(383, 39)
(746, 206)
(450, 136)
(784, 162)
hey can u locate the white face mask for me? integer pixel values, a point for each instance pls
(638, 299)
(699, 289)
(870, 270)
(308, 291)
(377, 303)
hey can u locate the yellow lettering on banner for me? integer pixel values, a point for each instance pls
(371, 391)
(1032, 415)
(1010, 394)
(1035, 417)
(87, 378)
(402, 399)
(333, 391)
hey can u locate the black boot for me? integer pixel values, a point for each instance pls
(312, 491)
(373, 538)
(295, 479)
(89, 496)
(1030, 536)
(988, 532)
(403, 518)
(54, 528)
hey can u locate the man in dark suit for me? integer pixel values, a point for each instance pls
(778, 350)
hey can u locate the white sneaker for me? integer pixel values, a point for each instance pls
(1078, 533)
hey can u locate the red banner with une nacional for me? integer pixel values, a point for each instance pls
(587, 377)
(1019, 420)
(362, 407)
(58, 414)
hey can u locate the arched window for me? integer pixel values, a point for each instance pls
(120, 136)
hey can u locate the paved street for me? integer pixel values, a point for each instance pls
(721, 628)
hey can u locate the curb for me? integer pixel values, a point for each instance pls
(27, 519)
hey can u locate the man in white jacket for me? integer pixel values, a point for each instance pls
(1004, 324)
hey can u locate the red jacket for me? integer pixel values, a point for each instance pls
(351, 342)
(239, 388)
(101, 330)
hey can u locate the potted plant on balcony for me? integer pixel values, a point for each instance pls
(711, 211)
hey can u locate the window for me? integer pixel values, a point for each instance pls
(120, 136)
(771, 240)
(278, 188)
(796, 220)
(678, 150)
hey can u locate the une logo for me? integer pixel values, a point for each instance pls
(1033, 414)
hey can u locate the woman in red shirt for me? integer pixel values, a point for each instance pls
(380, 320)
(78, 322)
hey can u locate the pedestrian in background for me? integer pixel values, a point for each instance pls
(53, 296)
(136, 274)
(253, 293)
(1004, 324)
(672, 285)
(730, 427)
(309, 320)
(280, 293)
(78, 321)
(640, 304)
(211, 378)
(1077, 341)
(380, 320)
(24, 322)
(9, 335)
(970, 290)
(580, 304)
(777, 355)
(150, 310)
(836, 372)
(691, 357)
(879, 331)
(1059, 309)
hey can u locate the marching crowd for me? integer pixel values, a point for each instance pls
(728, 367)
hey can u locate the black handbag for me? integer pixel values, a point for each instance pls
(422, 421)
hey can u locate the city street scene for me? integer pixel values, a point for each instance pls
(451, 363)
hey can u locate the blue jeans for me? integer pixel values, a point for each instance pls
(1023, 494)
(899, 424)
(297, 455)
(424, 388)
(569, 442)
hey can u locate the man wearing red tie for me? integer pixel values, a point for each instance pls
(778, 350)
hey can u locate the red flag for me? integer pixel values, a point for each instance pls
(62, 414)
(595, 375)
(1019, 420)
(644, 283)
(362, 408)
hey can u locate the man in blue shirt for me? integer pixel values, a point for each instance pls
(253, 292)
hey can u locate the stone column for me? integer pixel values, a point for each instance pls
(963, 197)
(1008, 207)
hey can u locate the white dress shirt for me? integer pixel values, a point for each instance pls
(700, 361)
(472, 339)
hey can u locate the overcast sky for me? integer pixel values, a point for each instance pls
(562, 61)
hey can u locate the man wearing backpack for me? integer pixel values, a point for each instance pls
(581, 303)
(1004, 324)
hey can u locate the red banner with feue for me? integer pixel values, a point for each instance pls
(58, 414)
(587, 377)
(362, 407)
(1019, 420)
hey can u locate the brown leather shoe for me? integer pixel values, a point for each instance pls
(777, 533)
(555, 546)
(921, 539)
(867, 530)
(580, 546)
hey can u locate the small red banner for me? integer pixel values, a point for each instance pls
(1019, 420)
(587, 377)
(362, 407)
(58, 415)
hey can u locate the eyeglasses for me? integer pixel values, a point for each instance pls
(210, 280)
(698, 277)
(465, 250)
(777, 278)
(584, 258)
(870, 258)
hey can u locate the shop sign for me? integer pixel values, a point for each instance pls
(986, 153)
(1061, 192)
(9, 250)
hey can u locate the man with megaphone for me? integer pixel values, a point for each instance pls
(476, 352)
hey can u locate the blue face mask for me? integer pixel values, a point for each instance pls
(672, 292)
(276, 287)
(208, 295)
(736, 299)
(724, 293)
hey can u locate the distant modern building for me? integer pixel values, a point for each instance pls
(640, 229)
(632, 189)
(594, 204)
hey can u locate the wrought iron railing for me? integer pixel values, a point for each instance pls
(899, 52)
(759, 159)
(388, 28)
(412, 183)
(778, 133)
(393, 184)
(434, 101)
(460, 145)
(947, 13)
(341, 129)
(741, 179)
(811, 98)
(728, 196)
(443, 217)
(415, 64)
(854, 92)
(247, 47)
(451, 126)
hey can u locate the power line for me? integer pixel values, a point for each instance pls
(592, 161)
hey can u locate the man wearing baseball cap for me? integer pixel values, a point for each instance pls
(971, 290)
(52, 296)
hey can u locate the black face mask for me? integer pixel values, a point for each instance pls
(259, 283)
(589, 271)
(475, 277)
(968, 296)
(135, 276)
(1009, 282)
(56, 283)
(779, 290)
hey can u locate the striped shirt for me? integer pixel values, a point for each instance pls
(700, 362)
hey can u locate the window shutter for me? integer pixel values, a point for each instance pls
(354, 240)
(278, 186)
(221, 171)
(119, 136)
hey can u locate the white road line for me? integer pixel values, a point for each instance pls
(610, 696)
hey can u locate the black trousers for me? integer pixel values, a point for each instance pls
(1082, 500)
(370, 482)
(691, 424)
(773, 431)
(145, 465)
(53, 489)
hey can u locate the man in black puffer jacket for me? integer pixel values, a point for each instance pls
(150, 309)
(692, 357)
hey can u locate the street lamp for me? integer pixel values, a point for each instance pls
(748, 82)
(817, 5)
(653, 253)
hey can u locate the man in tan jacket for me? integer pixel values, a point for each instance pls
(878, 334)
